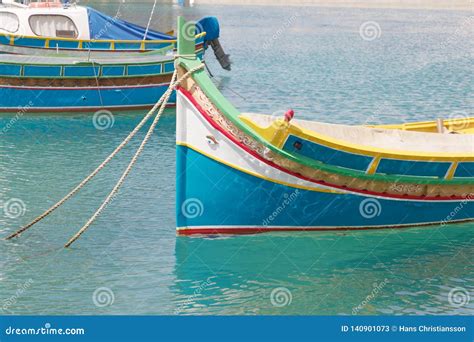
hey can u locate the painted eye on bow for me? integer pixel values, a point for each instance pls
(211, 140)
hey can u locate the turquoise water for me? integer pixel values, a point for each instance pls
(131, 262)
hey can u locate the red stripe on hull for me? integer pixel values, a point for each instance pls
(137, 86)
(253, 231)
(257, 156)
(82, 109)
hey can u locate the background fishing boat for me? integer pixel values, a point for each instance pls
(250, 173)
(66, 84)
(60, 28)
(123, 67)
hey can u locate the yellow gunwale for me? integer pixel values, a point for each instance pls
(341, 145)
(14, 37)
(460, 125)
(377, 152)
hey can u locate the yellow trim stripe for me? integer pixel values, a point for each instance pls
(312, 136)
(180, 143)
(452, 170)
(13, 37)
(373, 166)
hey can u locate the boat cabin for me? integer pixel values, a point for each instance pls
(52, 19)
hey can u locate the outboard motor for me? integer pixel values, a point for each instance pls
(210, 25)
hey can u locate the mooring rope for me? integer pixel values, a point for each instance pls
(120, 182)
(107, 160)
(149, 21)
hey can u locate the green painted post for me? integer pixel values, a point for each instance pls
(186, 37)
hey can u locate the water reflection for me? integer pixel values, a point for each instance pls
(325, 273)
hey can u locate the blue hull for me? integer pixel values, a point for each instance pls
(222, 198)
(13, 99)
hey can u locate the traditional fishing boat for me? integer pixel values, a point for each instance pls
(76, 80)
(251, 173)
(67, 84)
(52, 27)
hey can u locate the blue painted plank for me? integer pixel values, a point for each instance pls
(326, 154)
(96, 45)
(464, 170)
(144, 69)
(4, 40)
(169, 67)
(127, 46)
(113, 70)
(413, 168)
(10, 70)
(42, 71)
(31, 42)
(81, 71)
(64, 44)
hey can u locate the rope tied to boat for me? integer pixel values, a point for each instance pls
(161, 104)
